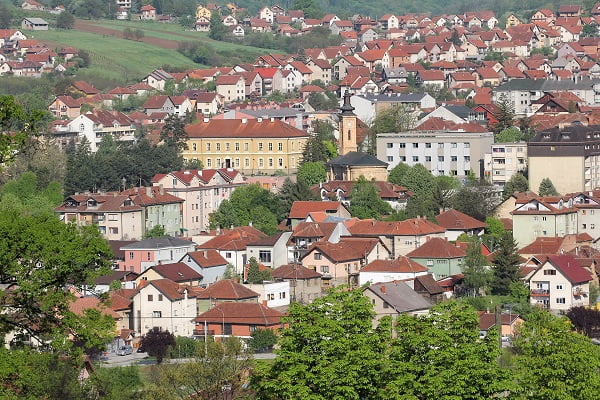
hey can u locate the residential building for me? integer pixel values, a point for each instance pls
(458, 223)
(442, 258)
(452, 153)
(305, 283)
(34, 24)
(236, 319)
(504, 161)
(559, 284)
(306, 233)
(395, 298)
(231, 87)
(251, 146)
(272, 293)
(140, 256)
(202, 191)
(160, 208)
(569, 157)
(148, 13)
(164, 304)
(177, 272)
(396, 196)
(208, 263)
(94, 125)
(271, 251)
(368, 106)
(340, 263)
(398, 269)
(301, 209)
(509, 323)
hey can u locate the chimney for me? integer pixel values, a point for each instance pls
(205, 254)
(272, 119)
(383, 289)
(259, 119)
(206, 119)
(149, 191)
(244, 120)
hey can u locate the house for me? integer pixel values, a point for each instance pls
(457, 223)
(225, 291)
(569, 10)
(208, 263)
(509, 323)
(164, 304)
(178, 272)
(305, 283)
(396, 196)
(353, 165)
(305, 234)
(94, 125)
(559, 284)
(207, 103)
(83, 88)
(202, 191)
(236, 319)
(271, 251)
(34, 24)
(368, 106)
(248, 145)
(157, 79)
(340, 263)
(395, 298)
(231, 244)
(505, 160)
(266, 14)
(65, 107)
(441, 257)
(140, 256)
(148, 13)
(273, 294)
(231, 87)
(301, 209)
(399, 269)
(32, 5)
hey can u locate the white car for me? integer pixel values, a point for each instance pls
(125, 350)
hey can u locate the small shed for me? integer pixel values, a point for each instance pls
(34, 24)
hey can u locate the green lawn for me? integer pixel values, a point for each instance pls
(115, 58)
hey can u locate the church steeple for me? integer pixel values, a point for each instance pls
(347, 127)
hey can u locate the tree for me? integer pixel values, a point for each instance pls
(394, 119)
(127, 33)
(547, 188)
(475, 200)
(398, 174)
(65, 20)
(312, 173)
(505, 114)
(329, 351)
(118, 383)
(366, 202)
(217, 29)
(294, 191)
(585, 320)
(493, 232)
(549, 355)
(590, 30)
(263, 220)
(517, 183)
(509, 135)
(255, 275)
(155, 232)
(173, 132)
(263, 340)
(476, 274)
(310, 8)
(506, 264)
(39, 256)
(230, 272)
(315, 149)
(156, 342)
(217, 370)
(16, 128)
(138, 34)
(419, 180)
(438, 355)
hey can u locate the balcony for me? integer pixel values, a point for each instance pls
(578, 292)
(202, 332)
(539, 293)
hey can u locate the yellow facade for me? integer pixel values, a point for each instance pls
(248, 155)
(568, 174)
(202, 11)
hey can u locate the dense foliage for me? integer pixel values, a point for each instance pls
(157, 342)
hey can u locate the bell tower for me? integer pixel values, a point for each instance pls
(347, 127)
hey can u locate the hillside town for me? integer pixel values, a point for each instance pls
(423, 161)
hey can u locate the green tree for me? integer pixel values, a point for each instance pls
(366, 202)
(138, 34)
(509, 135)
(65, 20)
(329, 351)
(263, 340)
(590, 30)
(264, 220)
(218, 370)
(475, 200)
(548, 357)
(173, 132)
(444, 189)
(315, 149)
(39, 256)
(310, 8)
(119, 383)
(506, 264)
(155, 232)
(419, 181)
(493, 232)
(547, 188)
(217, 29)
(312, 173)
(294, 191)
(476, 274)
(517, 183)
(156, 342)
(6, 15)
(505, 114)
(230, 272)
(438, 355)
(397, 174)
(394, 119)
(127, 33)
(255, 275)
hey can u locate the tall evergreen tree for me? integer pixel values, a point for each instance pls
(173, 132)
(217, 29)
(547, 188)
(505, 115)
(516, 183)
(476, 274)
(506, 264)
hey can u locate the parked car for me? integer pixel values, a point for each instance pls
(125, 350)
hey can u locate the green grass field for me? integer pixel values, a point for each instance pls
(114, 58)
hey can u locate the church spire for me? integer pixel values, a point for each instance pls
(347, 127)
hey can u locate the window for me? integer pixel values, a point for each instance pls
(148, 256)
(270, 296)
(156, 314)
(440, 145)
(260, 163)
(324, 269)
(415, 158)
(317, 256)
(282, 295)
(415, 145)
(260, 147)
(386, 304)
(467, 158)
(440, 158)
(549, 272)
(592, 226)
(245, 146)
(543, 218)
(559, 286)
(227, 329)
(270, 162)
(427, 145)
(227, 147)
(150, 297)
(583, 226)
(194, 147)
(402, 145)
(270, 146)
(403, 158)
(131, 255)
(218, 146)
(560, 300)
(113, 231)
(467, 145)
(453, 158)
(390, 158)
(237, 162)
(228, 254)
(454, 145)
(427, 158)
(160, 297)
(280, 146)
(218, 163)
(390, 145)
(264, 256)
(237, 147)
(113, 217)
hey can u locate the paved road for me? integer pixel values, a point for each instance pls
(114, 360)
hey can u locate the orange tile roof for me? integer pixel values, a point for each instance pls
(234, 240)
(347, 249)
(452, 219)
(401, 264)
(241, 314)
(226, 289)
(437, 248)
(408, 227)
(294, 271)
(233, 128)
(300, 209)
(207, 258)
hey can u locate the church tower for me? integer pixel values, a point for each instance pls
(347, 127)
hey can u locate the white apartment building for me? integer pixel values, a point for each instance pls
(505, 160)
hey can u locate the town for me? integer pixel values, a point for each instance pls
(405, 209)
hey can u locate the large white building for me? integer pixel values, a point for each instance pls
(504, 160)
(452, 153)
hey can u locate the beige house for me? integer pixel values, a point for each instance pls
(165, 304)
(231, 87)
(395, 298)
(305, 283)
(559, 284)
(250, 146)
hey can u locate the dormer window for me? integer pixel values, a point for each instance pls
(92, 203)
(128, 202)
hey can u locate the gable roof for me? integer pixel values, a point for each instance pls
(235, 128)
(570, 268)
(355, 158)
(452, 219)
(234, 240)
(347, 249)
(172, 290)
(294, 271)
(412, 227)
(242, 313)
(301, 209)
(206, 258)
(437, 248)
(158, 243)
(177, 272)
(226, 289)
(399, 296)
(401, 264)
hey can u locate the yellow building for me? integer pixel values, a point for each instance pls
(260, 146)
(202, 11)
(512, 20)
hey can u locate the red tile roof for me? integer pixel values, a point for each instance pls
(207, 258)
(294, 271)
(437, 248)
(233, 240)
(177, 272)
(347, 249)
(300, 209)
(226, 289)
(401, 264)
(233, 128)
(172, 290)
(241, 314)
(570, 268)
(455, 220)
(79, 305)
(408, 227)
